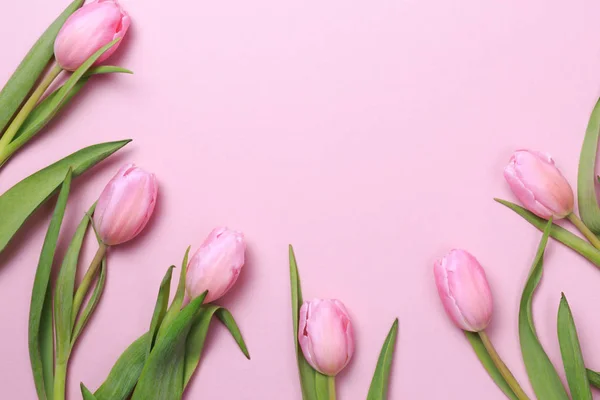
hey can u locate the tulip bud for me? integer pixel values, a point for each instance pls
(88, 29)
(125, 205)
(464, 290)
(325, 335)
(539, 185)
(216, 265)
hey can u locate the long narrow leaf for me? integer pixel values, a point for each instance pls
(542, 375)
(177, 302)
(63, 294)
(86, 394)
(594, 378)
(125, 373)
(162, 376)
(571, 353)
(162, 301)
(558, 233)
(488, 364)
(41, 115)
(380, 382)
(27, 73)
(90, 307)
(40, 312)
(197, 337)
(226, 318)
(308, 375)
(20, 201)
(195, 341)
(586, 182)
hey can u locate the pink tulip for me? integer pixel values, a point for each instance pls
(464, 290)
(88, 29)
(216, 265)
(325, 335)
(539, 185)
(125, 205)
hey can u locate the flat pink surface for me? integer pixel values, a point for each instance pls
(370, 134)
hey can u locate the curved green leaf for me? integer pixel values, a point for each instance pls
(571, 353)
(162, 301)
(27, 73)
(63, 294)
(125, 373)
(197, 337)
(41, 339)
(586, 184)
(594, 378)
(90, 307)
(542, 375)
(20, 201)
(195, 341)
(308, 375)
(562, 235)
(162, 376)
(226, 318)
(87, 395)
(380, 382)
(175, 306)
(41, 115)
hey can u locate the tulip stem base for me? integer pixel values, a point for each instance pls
(331, 386)
(502, 368)
(589, 235)
(22, 115)
(87, 280)
(60, 380)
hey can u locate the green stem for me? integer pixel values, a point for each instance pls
(29, 105)
(502, 368)
(87, 281)
(589, 235)
(60, 380)
(331, 385)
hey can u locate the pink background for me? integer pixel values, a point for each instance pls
(370, 134)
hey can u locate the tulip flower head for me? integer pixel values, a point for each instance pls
(464, 290)
(126, 205)
(87, 30)
(539, 185)
(325, 335)
(216, 265)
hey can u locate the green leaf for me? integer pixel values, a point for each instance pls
(20, 201)
(195, 341)
(162, 376)
(586, 184)
(65, 286)
(125, 373)
(542, 375)
(41, 115)
(40, 313)
(308, 375)
(197, 337)
(27, 73)
(594, 378)
(226, 318)
(175, 306)
(558, 233)
(571, 353)
(381, 377)
(488, 364)
(90, 307)
(160, 309)
(87, 395)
